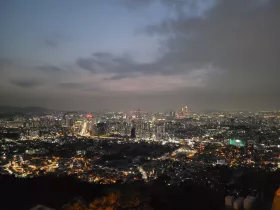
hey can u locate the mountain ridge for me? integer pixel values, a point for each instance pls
(27, 109)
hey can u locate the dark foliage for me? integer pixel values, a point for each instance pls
(55, 192)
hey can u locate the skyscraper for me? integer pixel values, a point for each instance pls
(67, 120)
(160, 131)
(186, 111)
(133, 132)
(138, 114)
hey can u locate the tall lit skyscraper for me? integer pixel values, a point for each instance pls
(138, 114)
(67, 120)
(160, 131)
(186, 111)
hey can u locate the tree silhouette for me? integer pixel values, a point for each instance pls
(110, 202)
(78, 205)
(113, 201)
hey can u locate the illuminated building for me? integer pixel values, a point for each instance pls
(72, 122)
(236, 142)
(67, 121)
(89, 116)
(160, 131)
(138, 114)
(185, 111)
(147, 126)
(81, 152)
(172, 114)
(168, 126)
(89, 126)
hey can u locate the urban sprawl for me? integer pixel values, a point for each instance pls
(122, 147)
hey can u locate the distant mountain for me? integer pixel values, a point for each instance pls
(29, 109)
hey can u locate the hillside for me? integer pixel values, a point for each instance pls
(30, 109)
(55, 192)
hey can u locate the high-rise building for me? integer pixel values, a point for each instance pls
(160, 131)
(138, 114)
(67, 120)
(186, 111)
(89, 126)
(172, 114)
(168, 126)
(133, 132)
(71, 121)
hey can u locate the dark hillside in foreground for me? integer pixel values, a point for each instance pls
(54, 192)
(23, 194)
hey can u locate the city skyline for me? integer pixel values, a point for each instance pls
(151, 54)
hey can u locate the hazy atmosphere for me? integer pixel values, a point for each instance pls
(148, 54)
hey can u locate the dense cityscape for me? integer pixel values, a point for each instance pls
(109, 147)
(124, 147)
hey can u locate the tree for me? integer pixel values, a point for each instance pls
(78, 205)
(110, 202)
(113, 201)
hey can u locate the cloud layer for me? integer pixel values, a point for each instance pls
(212, 55)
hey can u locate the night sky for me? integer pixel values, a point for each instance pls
(148, 54)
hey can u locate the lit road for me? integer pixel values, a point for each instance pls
(84, 128)
(144, 175)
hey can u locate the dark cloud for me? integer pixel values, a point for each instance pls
(26, 83)
(49, 68)
(127, 67)
(103, 55)
(87, 64)
(239, 37)
(72, 85)
(104, 62)
(235, 42)
(80, 86)
(180, 8)
(51, 43)
(56, 40)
